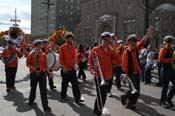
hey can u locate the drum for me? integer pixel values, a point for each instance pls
(53, 61)
(83, 59)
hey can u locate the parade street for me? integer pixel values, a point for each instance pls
(16, 103)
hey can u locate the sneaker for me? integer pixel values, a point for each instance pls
(123, 99)
(52, 87)
(170, 103)
(164, 104)
(80, 100)
(47, 109)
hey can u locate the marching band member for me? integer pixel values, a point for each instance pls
(105, 54)
(10, 59)
(131, 67)
(46, 50)
(67, 58)
(117, 69)
(167, 72)
(82, 60)
(37, 63)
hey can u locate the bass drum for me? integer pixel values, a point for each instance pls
(53, 61)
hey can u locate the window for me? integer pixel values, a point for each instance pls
(156, 25)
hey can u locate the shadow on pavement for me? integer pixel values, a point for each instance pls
(26, 78)
(145, 110)
(81, 109)
(87, 87)
(21, 104)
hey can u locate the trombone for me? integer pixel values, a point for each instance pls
(97, 66)
(127, 79)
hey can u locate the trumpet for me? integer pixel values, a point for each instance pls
(127, 79)
(98, 68)
(105, 111)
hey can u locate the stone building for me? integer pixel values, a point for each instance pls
(123, 17)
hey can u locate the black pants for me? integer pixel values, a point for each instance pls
(71, 77)
(34, 79)
(51, 83)
(81, 70)
(103, 93)
(117, 71)
(136, 83)
(167, 76)
(10, 76)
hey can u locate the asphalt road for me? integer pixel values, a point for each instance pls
(15, 103)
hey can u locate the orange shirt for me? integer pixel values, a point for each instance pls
(67, 56)
(105, 60)
(7, 52)
(117, 60)
(162, 59)
(136, 65)
(42, 61)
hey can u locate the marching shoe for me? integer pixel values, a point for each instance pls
(164, 104)
(170, 103)
(80, 100)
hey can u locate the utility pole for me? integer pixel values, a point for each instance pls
(15, 20)
(146, 15)
(48, 15)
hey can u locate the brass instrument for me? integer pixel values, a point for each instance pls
(98, 68)
(127, 79)
(9, 59)
(105, 111)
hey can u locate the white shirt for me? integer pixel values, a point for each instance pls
(150, 58)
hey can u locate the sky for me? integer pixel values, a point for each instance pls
(7, 12)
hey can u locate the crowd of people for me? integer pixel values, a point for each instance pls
(106, 62)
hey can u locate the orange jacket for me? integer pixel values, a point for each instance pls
(67, 56)
(42, 61)
(117, 60)
(162, 53)
(7, 52)
(136, 65)
(105, 60)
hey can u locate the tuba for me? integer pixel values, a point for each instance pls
(15, 36)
